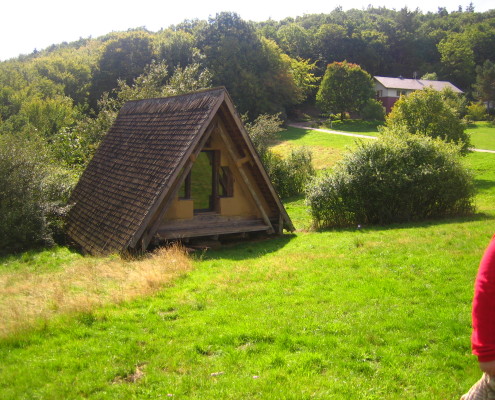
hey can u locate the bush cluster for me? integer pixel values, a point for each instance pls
(373, 110)
(288, 175)
(477, 112)
(33, 195)
(397, 178)
(431, 113)
(291, 174)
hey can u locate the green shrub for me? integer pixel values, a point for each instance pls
(477, 112)
(397, 178)
(373, 110)
(263, 130)
(431, 113)
(33, 194)
(289, 175)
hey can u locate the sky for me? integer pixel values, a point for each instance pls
(26, 25)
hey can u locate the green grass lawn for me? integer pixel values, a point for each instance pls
(354, 126)
(370, 313)
(40, 261)
(326, 147)
(482, 135)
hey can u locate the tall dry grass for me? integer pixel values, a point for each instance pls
(26, 298)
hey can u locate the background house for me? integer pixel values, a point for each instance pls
(388, 90)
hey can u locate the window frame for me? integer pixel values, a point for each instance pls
(222, 183)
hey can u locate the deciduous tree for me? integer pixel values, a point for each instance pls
(176, 48)
(457, 59)
(125, 58)
(294, 40)
(485, 83)
(345, 87)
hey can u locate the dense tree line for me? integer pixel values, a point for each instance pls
(268, 67)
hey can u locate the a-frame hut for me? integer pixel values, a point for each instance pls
(173, 168)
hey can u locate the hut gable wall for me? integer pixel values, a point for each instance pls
(131, 185)
(238, 203)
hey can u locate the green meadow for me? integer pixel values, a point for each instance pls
(371, 312)
(327, 148)
(482, 135)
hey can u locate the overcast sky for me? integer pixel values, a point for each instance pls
(35, 24)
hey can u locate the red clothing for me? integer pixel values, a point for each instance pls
(483, 338)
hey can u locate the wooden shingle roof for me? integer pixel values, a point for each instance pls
(132, 167)
(135, 165)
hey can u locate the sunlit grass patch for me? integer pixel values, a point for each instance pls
(482, 135)
(305, 137)
(322, 156)
(355, 126)
(40, 261)
(326, 148)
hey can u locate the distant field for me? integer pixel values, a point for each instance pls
(482, 135)
(326, 148)
(363, 314)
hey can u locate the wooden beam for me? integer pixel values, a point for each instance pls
(215, 200)
(241, 161)
(237, 121)
(245, 178)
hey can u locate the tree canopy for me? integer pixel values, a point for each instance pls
(345, 87)
(484, 88)
(430, 113)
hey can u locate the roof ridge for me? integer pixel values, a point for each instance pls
(200, 91)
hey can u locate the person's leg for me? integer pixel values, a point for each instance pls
(484, 389)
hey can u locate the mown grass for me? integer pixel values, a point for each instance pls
(482, 135)
(370, 313)
(40, 261)
(326, 148)
(355, 126)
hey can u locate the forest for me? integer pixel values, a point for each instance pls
(56, 103)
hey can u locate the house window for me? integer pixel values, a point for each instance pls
(401, 92)
(379, 93)
(207, 181)
(202, 181)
